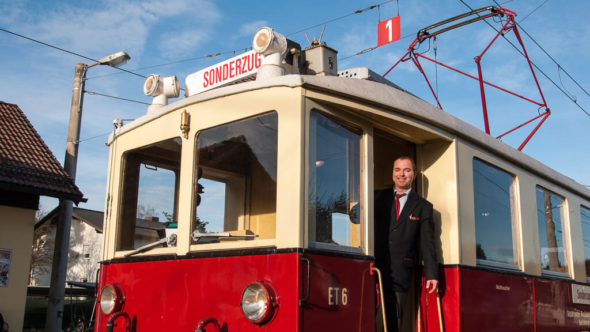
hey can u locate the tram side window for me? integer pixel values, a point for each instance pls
(550, 216)
(585, 214)
(236, 181)
(334, 183)
(495, 217)
(149, 194)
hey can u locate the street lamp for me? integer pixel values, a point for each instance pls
(53, 321)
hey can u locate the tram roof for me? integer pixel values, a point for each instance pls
(386, 97)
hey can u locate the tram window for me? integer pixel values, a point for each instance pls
(585, 216)
(150, 192)
(550, 215)
(237, 179)
(334, 183)
(495, 217)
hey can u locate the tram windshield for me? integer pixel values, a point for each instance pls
(150, 190)
(236, 181)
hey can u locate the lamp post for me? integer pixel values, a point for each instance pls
(53, 321)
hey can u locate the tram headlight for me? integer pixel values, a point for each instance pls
(259, 302)
(111, 299)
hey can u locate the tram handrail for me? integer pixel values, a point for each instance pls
(441, 327)
(307, 290)
(382, 299)
(438, 307)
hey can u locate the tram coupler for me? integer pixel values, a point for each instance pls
(204, 322)
(111, 322)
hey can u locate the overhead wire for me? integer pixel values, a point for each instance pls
(532, 63)
(358, 11)
(560, 68)
(49, 45)
(115, 97)
(534, 10)
(64, 50)
(554, 61)
(215, 54)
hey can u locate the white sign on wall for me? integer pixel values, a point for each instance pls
(580, 294)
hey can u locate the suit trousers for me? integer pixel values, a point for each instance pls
(395, 303)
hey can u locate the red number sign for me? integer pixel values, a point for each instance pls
(388, 31)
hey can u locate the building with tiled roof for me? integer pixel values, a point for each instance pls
(27, 166)
(28, 170)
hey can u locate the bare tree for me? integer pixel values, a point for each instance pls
(42, 253)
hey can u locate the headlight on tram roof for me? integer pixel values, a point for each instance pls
(259, 302)
(111, 299)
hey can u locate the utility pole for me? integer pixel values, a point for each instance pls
(59, 268)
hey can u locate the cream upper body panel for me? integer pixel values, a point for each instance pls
(383, 97)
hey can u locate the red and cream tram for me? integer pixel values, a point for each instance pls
(249, 207)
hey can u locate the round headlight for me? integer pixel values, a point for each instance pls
(111, 299)
(258, 302)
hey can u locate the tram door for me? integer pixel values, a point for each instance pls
(386, 148)
(338, 288)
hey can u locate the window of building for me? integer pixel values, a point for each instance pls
(149, 194)
(585, 216)
(236, 185)
(495, 217)
(550, 216)
(334, 211)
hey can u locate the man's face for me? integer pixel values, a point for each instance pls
(403, 174)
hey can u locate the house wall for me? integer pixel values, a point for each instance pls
(83, 255)
(84, 252)
(16, 234)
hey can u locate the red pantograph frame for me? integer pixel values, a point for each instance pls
(510, 25)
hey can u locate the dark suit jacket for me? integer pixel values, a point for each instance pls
(397, 242)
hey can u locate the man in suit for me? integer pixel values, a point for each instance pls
(403, 222)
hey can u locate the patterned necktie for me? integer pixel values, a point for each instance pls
(397, 197)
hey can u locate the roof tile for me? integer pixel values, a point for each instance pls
(26, 163)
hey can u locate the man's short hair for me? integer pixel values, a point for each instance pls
(406, 158)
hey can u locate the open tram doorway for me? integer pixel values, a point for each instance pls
(386, 148)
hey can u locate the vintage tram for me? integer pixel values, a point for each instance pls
(249, 207)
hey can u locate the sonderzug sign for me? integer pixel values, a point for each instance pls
(230, 70)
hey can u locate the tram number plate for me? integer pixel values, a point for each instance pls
(337, 296)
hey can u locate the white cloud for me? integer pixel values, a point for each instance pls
(249, 29)
(114, 25)
(176, 44)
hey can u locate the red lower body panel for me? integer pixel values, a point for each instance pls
(323, 292)
(314, 293)
(482, 300)
(174, 295)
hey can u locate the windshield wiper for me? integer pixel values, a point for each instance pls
(199, 237)
(170, 241)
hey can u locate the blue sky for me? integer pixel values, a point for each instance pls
(181, 33)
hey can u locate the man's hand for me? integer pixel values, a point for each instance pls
(431, 285)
